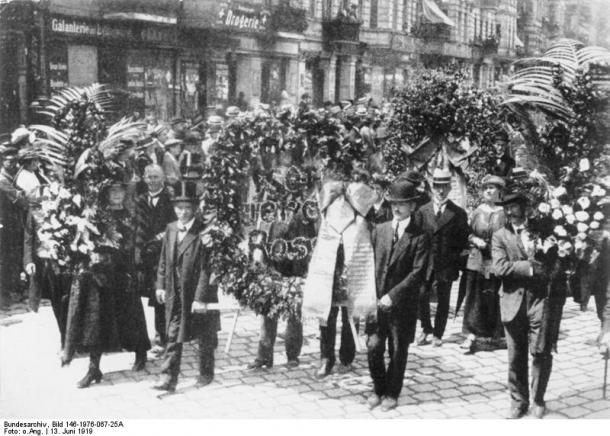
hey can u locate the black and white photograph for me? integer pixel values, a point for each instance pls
(280, 210)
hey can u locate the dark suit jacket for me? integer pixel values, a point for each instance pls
(511, 264)
(448, 239)
(399, 272)
(150, 221)
(196, 282)
(382, 215)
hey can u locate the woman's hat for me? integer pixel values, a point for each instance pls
(401, 191)
(186, 191)
(490, 179)
(513, 197)
(412, 176)
(232, 111)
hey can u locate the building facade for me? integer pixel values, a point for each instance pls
(183, 57)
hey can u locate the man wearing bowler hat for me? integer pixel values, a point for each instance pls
(401, 253)
(529, 312)
(446, 224)
(186, 286)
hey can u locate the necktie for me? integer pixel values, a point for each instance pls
(395, 237)
(182, 229)
(151, 199)
(439, 212)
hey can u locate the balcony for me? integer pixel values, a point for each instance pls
(285, 18)
(341, 30)
(431, 32)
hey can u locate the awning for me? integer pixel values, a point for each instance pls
(138, 16)
(433, 13)
(518, 42)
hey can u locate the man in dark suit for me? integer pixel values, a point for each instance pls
(13, 208)
(153, 211)
(186, 287)
(529, 312)
(401, 252)
(381, 211)
(446, 225)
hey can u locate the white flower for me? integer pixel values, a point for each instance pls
(584, 165)
(555, 204)
(559, 192)
(557, 214)
(584, 202)
(571, 219)
(579, 244)
(581, 236)
(582, 227)
(64, 194)
(560, 231)
(598, 216)
(594, 225)
(549, 243)
(77, 199)
(565, 248)
(567, 210)
(598, 191)
(544, 208)
(582, 216)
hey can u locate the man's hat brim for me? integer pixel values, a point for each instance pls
(392, 199)
(513, 198)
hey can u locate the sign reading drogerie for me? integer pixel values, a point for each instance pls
(241, 17)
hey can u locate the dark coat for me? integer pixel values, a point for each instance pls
(399, 272)
(13, 209)
(104, 315)
(381, 215)
(606, 312)
(448, 240)
(150, 223)
(196, 280)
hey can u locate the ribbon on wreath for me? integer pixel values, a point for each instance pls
(343, 210)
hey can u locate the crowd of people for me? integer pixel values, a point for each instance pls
(421, 241)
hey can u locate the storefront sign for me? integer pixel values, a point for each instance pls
(246, 18)
(110, 30)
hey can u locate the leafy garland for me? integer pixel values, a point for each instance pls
(445, 108)
(324, 145)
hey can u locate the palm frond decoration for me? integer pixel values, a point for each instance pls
(535, 86)
(101, 95)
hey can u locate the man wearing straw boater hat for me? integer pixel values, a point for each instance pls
(401, 251)
(447, 227)
(186, 287)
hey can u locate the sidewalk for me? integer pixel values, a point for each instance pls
(439, 382)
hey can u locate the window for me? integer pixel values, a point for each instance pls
(374, 12)
(312, 8)
(327, 10)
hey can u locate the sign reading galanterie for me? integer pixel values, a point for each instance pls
(241, 17)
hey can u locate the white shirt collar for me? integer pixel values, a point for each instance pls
(156, 193)
(402, 225)
(187, 225)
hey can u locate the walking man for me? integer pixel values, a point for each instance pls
(185, 286)
(529, 312)
(401, 252)
(446, 224)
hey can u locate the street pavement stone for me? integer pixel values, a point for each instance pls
(440, 383)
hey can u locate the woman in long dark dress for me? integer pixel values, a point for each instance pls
(482, 302)
(105, 312)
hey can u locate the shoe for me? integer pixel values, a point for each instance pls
(344, 369)
(325, 369)
(424, 339)
(93, 375)
(157, 350)
(259, 363)
(166, 384)
(517, 412)
(373, 401)
(388, 404)
(437, 342)
(292, 363)
(139, 364)
(538, 411)
(203, 380)
(468, 345)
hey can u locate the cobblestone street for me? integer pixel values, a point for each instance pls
(440, 382)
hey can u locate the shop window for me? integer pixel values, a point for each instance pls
(58, 67)
(192, 89)
(273, 81)
(150, 75)
(82, 65)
